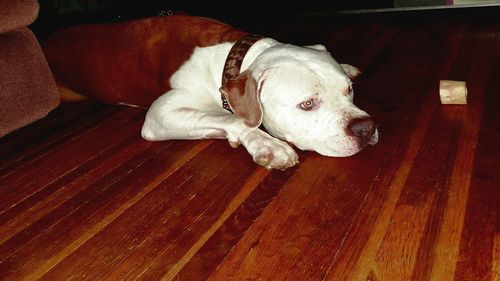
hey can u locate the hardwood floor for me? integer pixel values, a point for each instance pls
(83, 197)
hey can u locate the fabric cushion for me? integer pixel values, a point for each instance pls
(17, 13)
(27, 88)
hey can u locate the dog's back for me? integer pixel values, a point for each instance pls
(129, 62)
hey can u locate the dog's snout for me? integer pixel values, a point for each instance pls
(364, 128)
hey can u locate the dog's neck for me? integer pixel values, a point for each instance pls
(234, 60)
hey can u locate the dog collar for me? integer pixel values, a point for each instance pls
(234, 60)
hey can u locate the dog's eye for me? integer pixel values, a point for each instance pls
(307, 105)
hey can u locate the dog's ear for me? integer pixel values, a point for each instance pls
(350, 70)
(318, 47)
(243, 96)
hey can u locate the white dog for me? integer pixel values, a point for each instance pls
(202, 78)
(301, 95)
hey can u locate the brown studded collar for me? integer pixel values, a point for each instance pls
(234, 60)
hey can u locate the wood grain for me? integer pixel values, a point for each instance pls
(84, 197)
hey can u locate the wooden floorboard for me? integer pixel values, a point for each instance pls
(84, 197)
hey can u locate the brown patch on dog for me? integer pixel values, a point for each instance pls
(243, 97)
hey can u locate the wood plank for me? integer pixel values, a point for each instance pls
(65, 157)
(40, 204)
(208, 257)
(428, 184)
(75, 221)
(179, 209)
(34, 141)
(475, 260)
(356, 261)
(250, 185)
(495, 270)
(447, 242)
(310, 217)
(409, 236)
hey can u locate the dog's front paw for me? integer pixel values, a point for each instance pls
(269, 152)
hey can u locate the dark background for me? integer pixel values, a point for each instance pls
(56, 14)
(251, 16)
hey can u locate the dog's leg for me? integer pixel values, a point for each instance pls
(168, 119)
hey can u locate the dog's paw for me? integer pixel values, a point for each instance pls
(268, 151)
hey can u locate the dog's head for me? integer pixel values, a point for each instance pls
(302, 95)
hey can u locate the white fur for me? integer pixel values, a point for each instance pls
(287, 75)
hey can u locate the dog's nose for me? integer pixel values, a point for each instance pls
(364, 128)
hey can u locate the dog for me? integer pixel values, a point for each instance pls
(203, 79)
